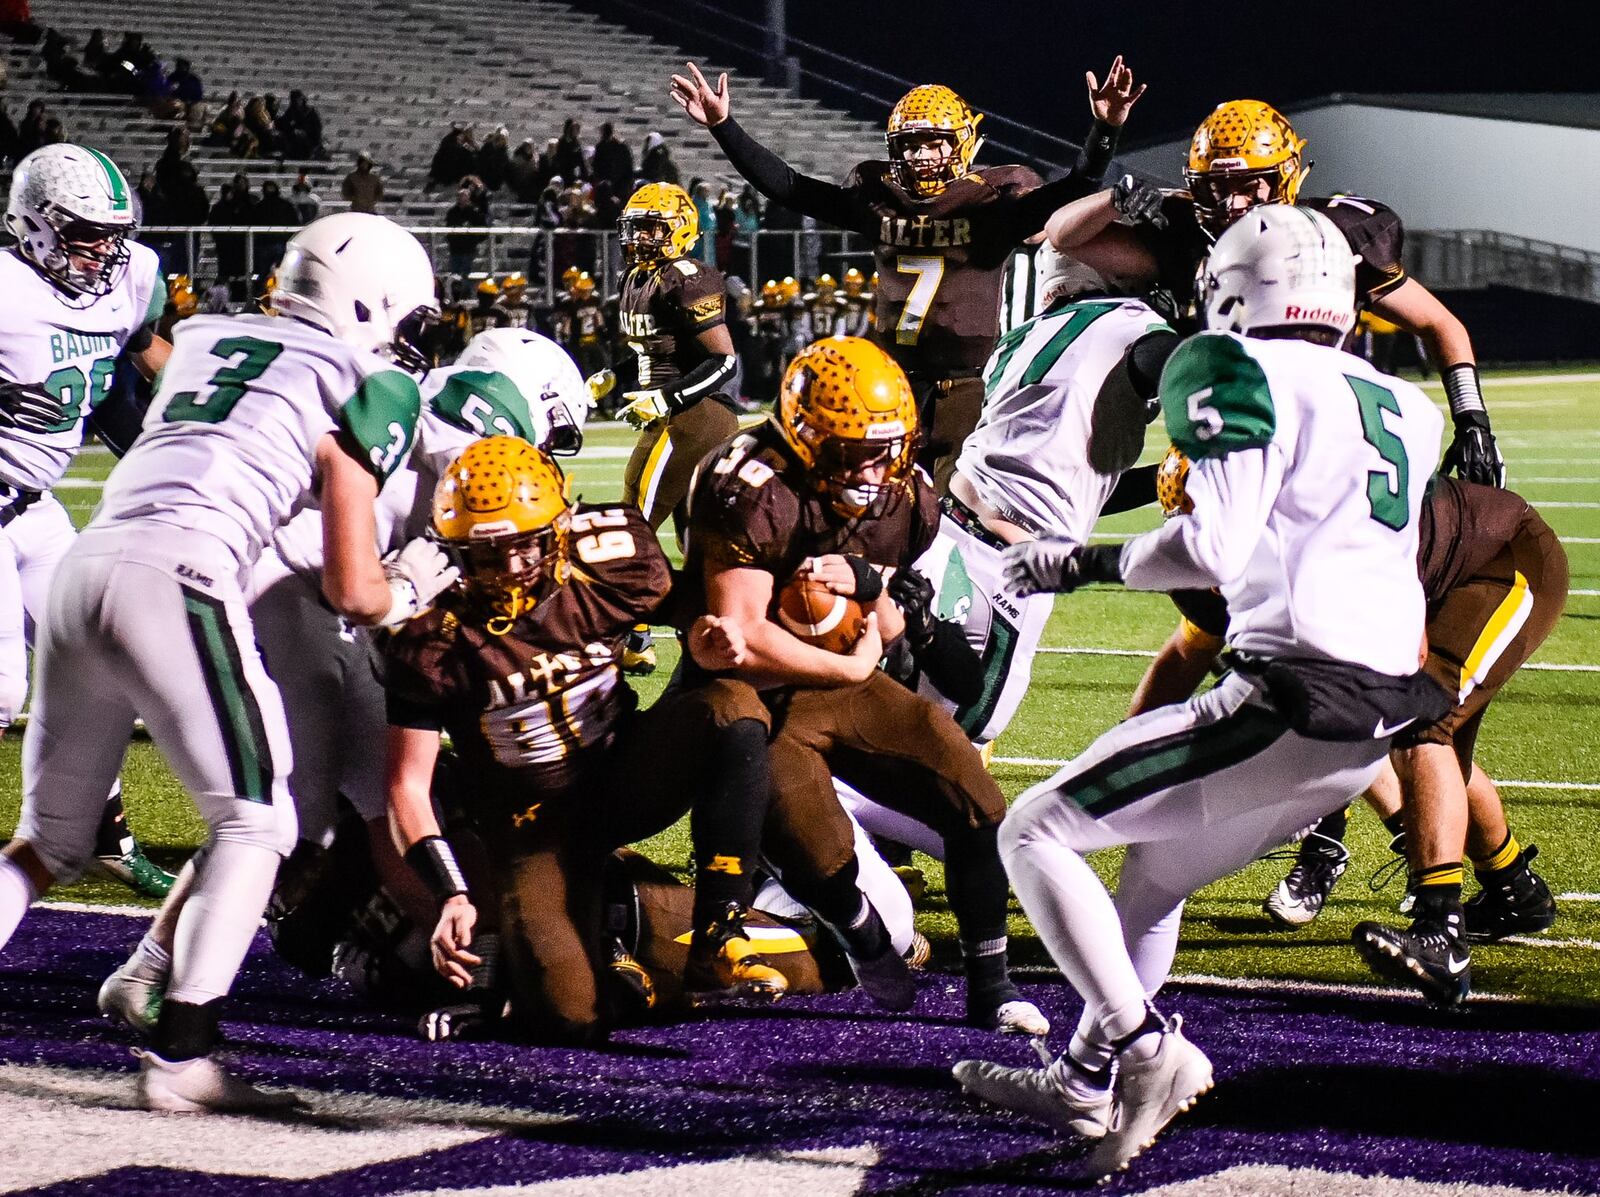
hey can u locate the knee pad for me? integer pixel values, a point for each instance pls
(269, 825)
(13, 696)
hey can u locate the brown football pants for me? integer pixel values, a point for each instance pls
(657, 478)
(949, 409)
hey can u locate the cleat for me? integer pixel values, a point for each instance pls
(1428, 955)
(1299, 897)
(639, 652)
(919, 953)
(1036, 1092)
(633, 976)
(886, 980)
(725, 966)
(463, 1022)
(138, 872)
(203, 1086)
(132, 1001)
(1015, 1017)
(1150, 1093)
(1519, 905)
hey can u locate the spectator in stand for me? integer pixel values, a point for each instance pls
(9, 138)
(307, 203)
(547, 163)
(724, 228)
(95, 51)
(363, 187)
(705, 249)
(613, 160)
(522, 175)
(156, 91)
(494, 159)
(146, 203)
(260, 117)
(570, 163)
(173, 158)
(657, 165)
(746, 224)
(301, 126)
(54, 132)
(184, 202)
(188, 90)
(471, 210)
(229, 124)
(30, 134)
(607, 205)
(454, 159)
(61, 65)
(273, 211)
(229, 210)
(16, 22)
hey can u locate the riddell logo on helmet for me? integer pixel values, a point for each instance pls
(1312, 315)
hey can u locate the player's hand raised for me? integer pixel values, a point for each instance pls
(695, 96)
(1112, 100)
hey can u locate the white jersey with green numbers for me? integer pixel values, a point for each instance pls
(1029, 456)
(69, 345)
(458, 407)
(229, 444)
(1308, 469)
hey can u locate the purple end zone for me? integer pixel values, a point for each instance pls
(1503, 1094)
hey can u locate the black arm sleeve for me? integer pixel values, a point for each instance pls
(1136, 488)
(118, 419)
(951, 664)
(781, 183)
(1087, 176)
(706, 379)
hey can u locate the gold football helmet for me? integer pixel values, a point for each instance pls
(181, 297)
(488, 289)
(659, 224)
(1242, 145)
(931, 112)
(1171, 477)
(853, 282)
(845, 407)
(826, 285)
(584, 286)
(789, 289)
(514, 284)
(501, 512)
(771, 293)
(569, 278)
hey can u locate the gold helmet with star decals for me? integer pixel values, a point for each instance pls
(854, 281)
(931, 113)
(1242, 145)
(659, 223)
(501, 512)
(844, 407)
(1172, 476)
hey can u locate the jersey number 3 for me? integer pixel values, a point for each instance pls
(1387, 490)
(227, 386)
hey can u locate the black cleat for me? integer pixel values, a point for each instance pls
(1431, 955)
(1300, 896)
(1521, 904)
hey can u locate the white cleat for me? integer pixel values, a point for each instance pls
(1034, 1092)
(1018, 1017)
(1149, 1094)
(130, 1000)
(203, 1086)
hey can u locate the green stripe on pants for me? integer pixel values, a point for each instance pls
(238, 717)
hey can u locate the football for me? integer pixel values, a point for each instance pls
(818, 616)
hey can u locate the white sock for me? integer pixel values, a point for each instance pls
(231, 888)
(16, 895)
(149, 962)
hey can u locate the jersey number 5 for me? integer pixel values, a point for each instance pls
(227, 386)
(1386, 489)
(929, 272)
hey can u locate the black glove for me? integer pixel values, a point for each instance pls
(913, 594)
(1473, 456)
(1138, 203)
(30, 408)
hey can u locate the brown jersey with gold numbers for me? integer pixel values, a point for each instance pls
(664, 307)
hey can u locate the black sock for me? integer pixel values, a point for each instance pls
(726, 822)
(839, 903)
(185, 1031)
(1333, 825)
(112, 837)
(975, 884)
(1438, 891)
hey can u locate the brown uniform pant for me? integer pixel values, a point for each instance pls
(1487, 626)
(657, 478)
(551, 863)
(949, 408)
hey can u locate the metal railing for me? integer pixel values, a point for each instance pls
(1474, 259)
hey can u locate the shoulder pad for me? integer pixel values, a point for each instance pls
(1215, 397)
(685, 267)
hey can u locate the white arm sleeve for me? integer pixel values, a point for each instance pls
(1232, 496)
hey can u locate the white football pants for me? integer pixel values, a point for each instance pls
(1196, 791)
(31, 546)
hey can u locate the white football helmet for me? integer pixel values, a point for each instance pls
(1061, 274)
(71, 212)
(545, 374)
(362, 278)
(1279, 265)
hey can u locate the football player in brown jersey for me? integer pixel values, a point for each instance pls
(1495, 577)
(1246, 153)
(521, 666)
(827, 490)
(943, 231)
(672, 314)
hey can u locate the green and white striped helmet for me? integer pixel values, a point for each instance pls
(71, 212)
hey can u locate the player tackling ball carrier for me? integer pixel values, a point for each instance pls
(1309, 471)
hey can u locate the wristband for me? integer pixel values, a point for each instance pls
(434, 861)
(1462, 388)
(869, 582)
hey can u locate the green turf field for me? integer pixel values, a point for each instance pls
(1541, 733)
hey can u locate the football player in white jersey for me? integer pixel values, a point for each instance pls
(254, 418)
(1309, 469)
(75, 293)
(511, 382)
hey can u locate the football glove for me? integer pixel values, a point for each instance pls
(30, 408)
(644, 408)
(418, 573)
(1058, 566)
(913, 594)
(1473, 456)
(1138, 203)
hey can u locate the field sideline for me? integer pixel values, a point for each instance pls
(1304, 992)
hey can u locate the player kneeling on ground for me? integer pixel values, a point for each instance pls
(1309, 470)
(521, 665)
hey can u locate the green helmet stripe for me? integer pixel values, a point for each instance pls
(119, 185)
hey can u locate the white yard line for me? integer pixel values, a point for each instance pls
(1074, 651)
(1523, 380)
(1578, 897)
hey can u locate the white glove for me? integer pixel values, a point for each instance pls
(418, 573)
(644, 408)
(1036, 566)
